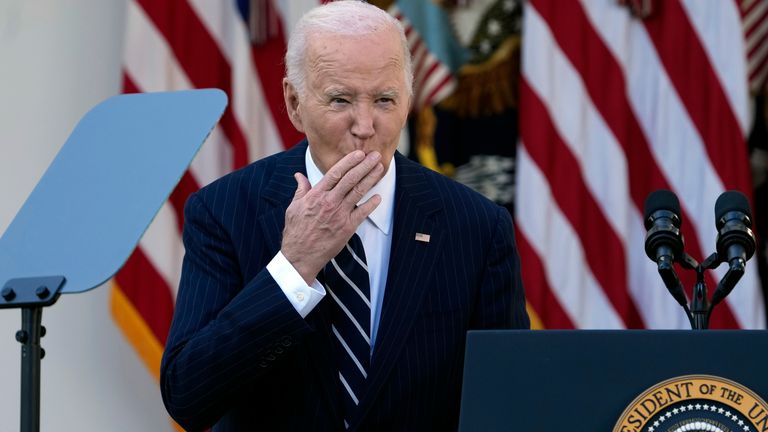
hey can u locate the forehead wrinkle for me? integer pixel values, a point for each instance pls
(319, 64)
(319, 50)
(327, 66)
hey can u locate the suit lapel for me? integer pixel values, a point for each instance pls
(409, 275)
(279, 192)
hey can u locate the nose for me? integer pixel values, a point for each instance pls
(362, 122)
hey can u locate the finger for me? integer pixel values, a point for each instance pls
(354, 176)
(359, 190)
(337, 171)
(302, 187)
(362, 211)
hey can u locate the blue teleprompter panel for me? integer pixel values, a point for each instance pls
(106, 184)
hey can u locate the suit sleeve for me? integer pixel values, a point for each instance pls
(500, 302)
(226, 333)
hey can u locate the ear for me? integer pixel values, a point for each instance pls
(291, 97)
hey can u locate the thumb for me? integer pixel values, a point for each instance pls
(302, 187)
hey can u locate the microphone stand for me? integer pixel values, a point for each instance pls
(700, 309)
(668, 275)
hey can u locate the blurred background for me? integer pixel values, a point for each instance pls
(568, 113)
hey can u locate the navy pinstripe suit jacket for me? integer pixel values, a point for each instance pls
(239, 355)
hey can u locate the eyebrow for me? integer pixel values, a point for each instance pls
(336, 92)
(391, 94)
(332, 93)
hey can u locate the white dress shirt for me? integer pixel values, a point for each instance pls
(376, 234)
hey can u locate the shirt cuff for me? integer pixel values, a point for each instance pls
(303, 297)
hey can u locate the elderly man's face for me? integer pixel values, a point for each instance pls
(356, 96)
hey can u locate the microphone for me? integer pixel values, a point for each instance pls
(663, 241)
(733, 219)
(735, 241)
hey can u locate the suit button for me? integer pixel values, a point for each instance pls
(263, 364)
(286, 341)
(278, 350)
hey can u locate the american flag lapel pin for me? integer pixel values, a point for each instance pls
(422, 237)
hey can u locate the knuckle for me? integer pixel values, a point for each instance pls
(333, 176)
(358, 190)
(327, 204)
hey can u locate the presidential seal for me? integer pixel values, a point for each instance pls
(695, 403)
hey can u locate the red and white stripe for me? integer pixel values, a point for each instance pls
(432, 80)
(754, 15)
(184, 44)
(613, 108)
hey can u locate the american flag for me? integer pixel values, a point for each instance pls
(618, 99)
(183, 44)
(433, 79)
(754, 15)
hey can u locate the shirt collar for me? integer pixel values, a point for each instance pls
(383, 214)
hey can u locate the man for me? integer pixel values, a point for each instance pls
(331, 286)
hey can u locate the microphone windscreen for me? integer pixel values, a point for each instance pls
(662, 199)
(730, 201)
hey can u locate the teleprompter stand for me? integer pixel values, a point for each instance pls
(90, 208)
(31, 295)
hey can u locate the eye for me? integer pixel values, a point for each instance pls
(338, 100)
(386, 100)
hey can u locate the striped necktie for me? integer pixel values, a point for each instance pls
(346, 280)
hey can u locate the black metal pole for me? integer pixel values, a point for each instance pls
(31, 295)
(700, 302)
(31, 354)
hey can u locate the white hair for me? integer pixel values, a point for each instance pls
(342, 17)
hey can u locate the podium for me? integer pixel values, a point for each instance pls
(586, 380)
